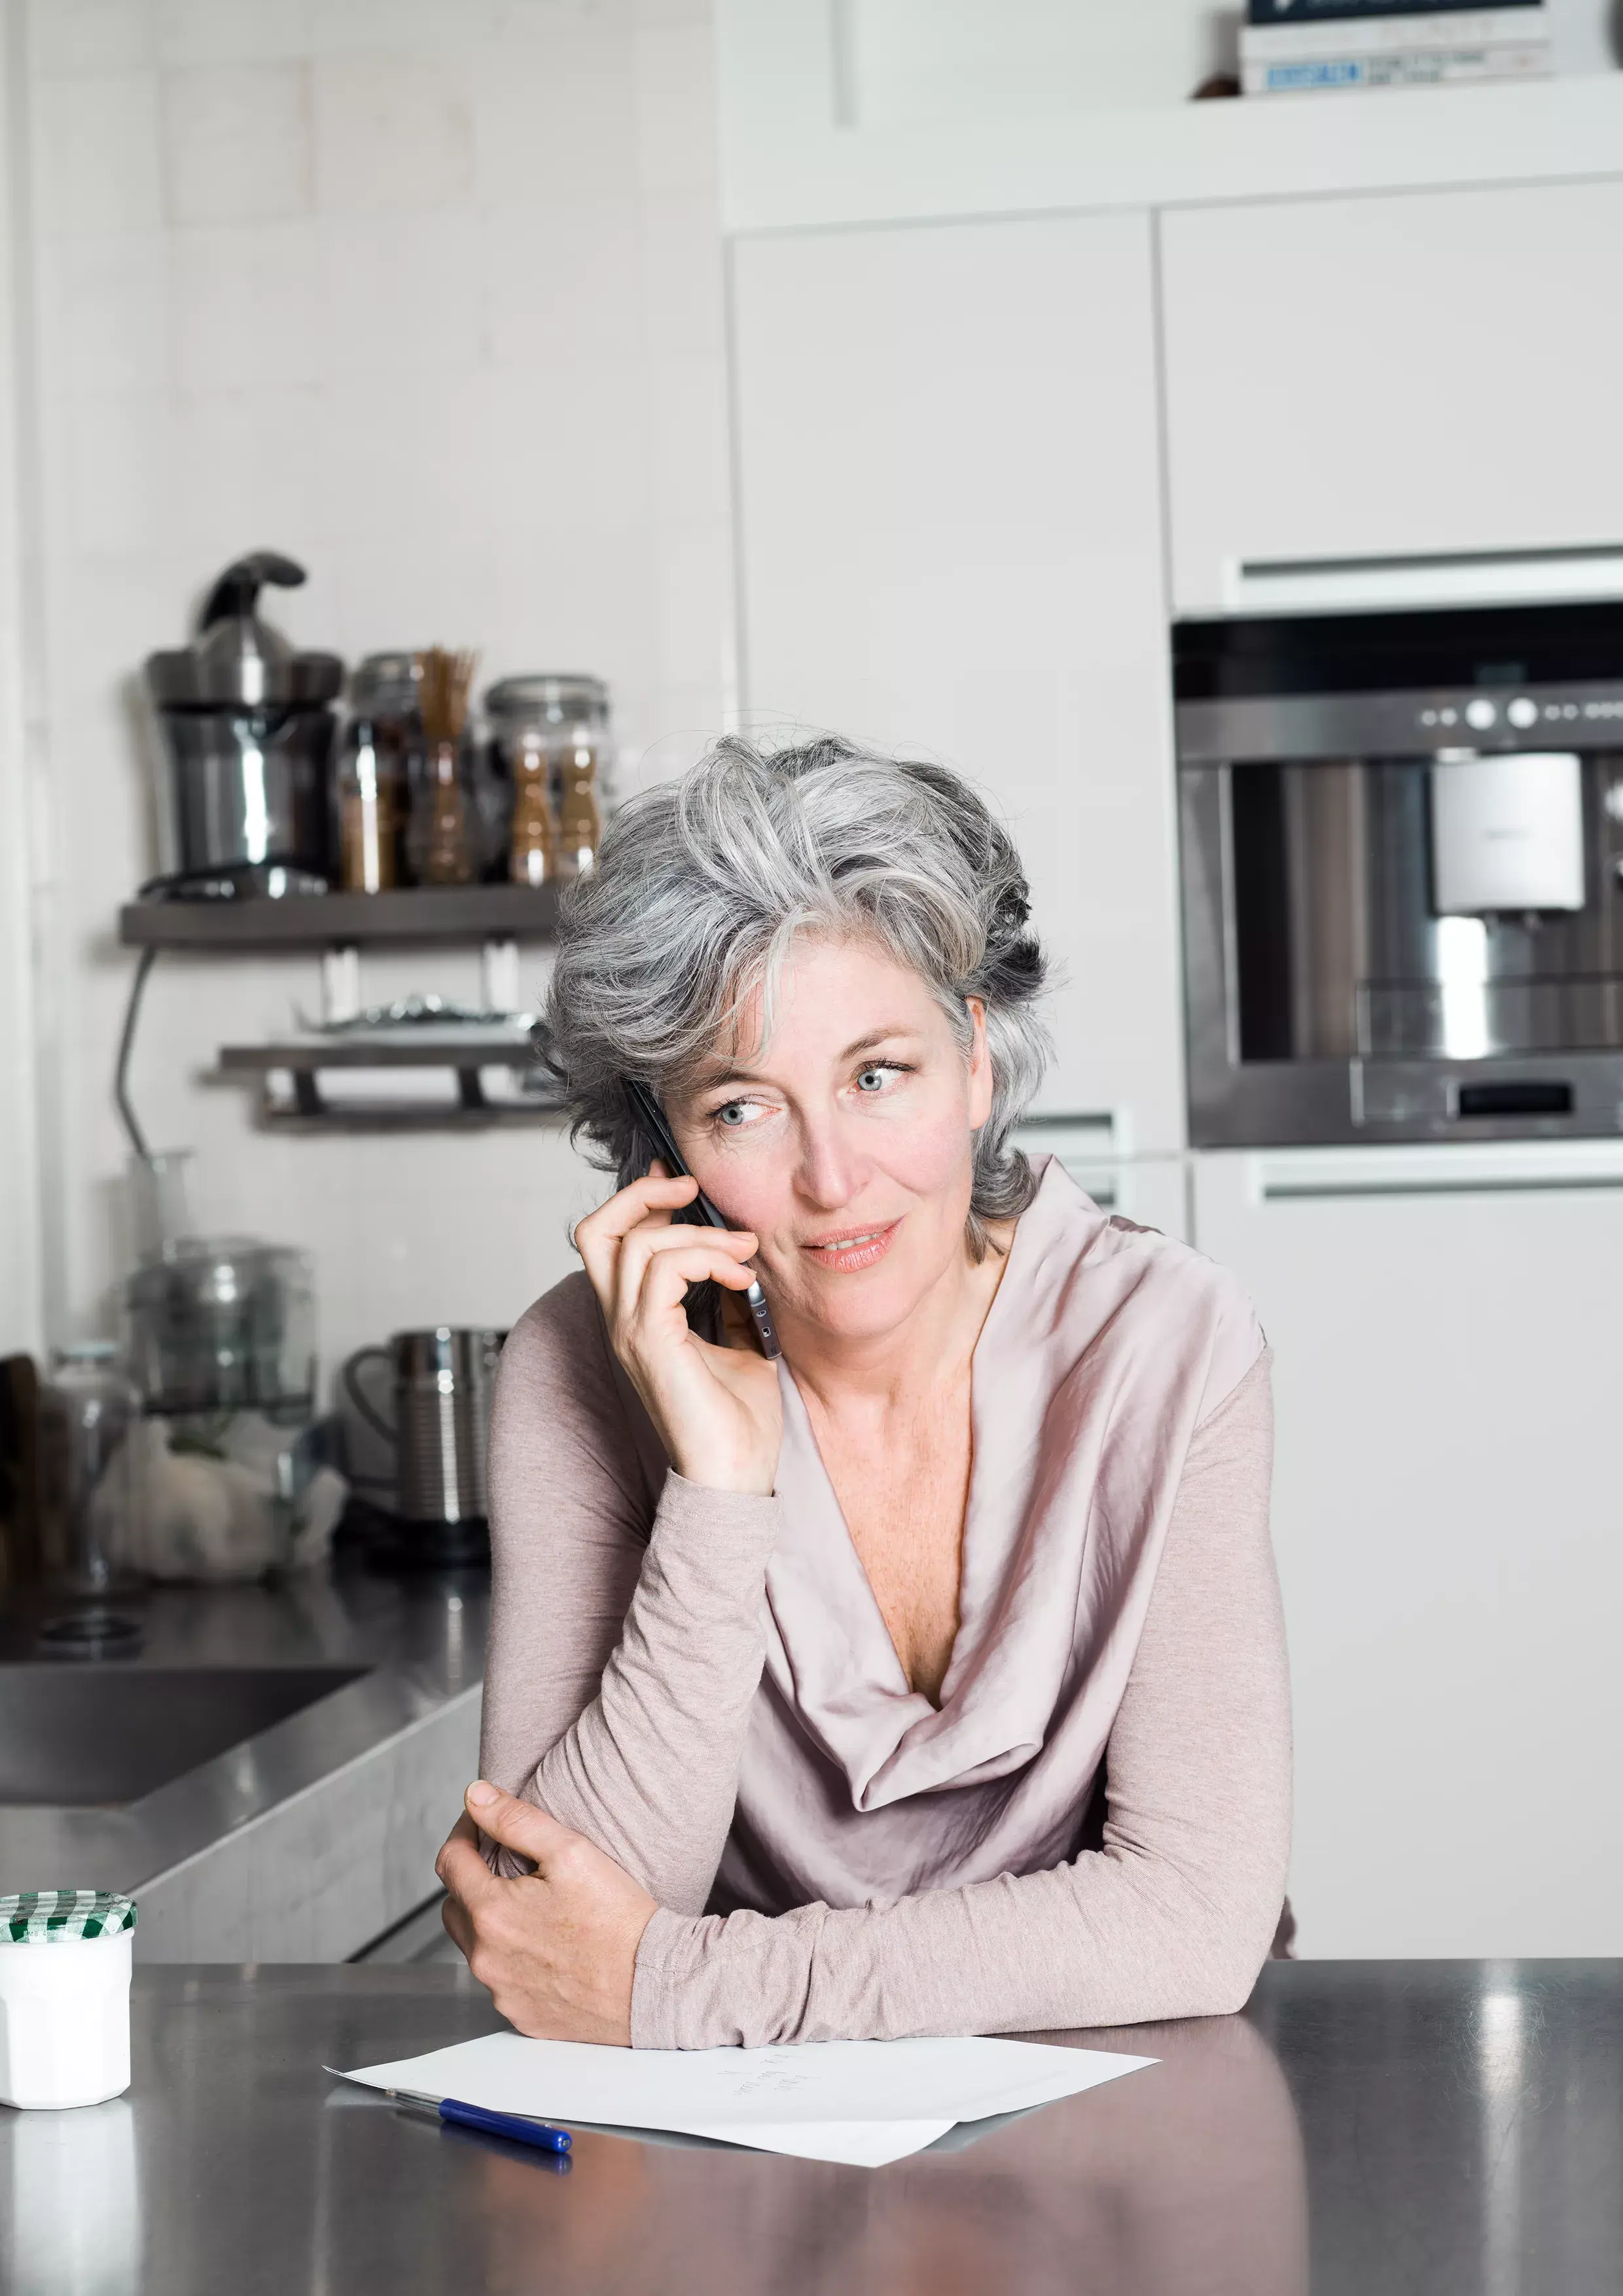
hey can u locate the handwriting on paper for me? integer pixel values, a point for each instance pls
(774, 2070)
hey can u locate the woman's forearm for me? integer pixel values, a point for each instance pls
(649, 1771)
(627, 1612)
(1107, 1941)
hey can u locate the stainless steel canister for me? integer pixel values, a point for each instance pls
(444, 1379)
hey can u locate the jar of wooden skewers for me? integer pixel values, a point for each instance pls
(448, 840)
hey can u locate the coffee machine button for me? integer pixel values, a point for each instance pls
(1522, 713)
(1480, 714)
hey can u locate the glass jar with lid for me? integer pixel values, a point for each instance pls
(381, 768)
(550, 742)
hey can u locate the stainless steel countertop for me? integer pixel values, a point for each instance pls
(422, 1640)
(1445, 2129)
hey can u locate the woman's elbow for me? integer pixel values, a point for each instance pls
(1225, 1952)
(1212, 1944)
(1226, 1990)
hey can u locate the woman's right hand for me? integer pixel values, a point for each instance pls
(716, 1410)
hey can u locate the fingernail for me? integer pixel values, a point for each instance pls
(482, 1795)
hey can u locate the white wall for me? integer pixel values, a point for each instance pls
(963, 59)
(427, 293)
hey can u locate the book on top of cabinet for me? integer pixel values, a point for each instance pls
(1523, 26)
(1325, 11)
(1293, 55)
(1396, 68)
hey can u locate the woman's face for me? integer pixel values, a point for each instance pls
(846, 1141)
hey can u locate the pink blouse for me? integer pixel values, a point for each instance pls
(703, 1682)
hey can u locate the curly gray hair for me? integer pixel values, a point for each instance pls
(700, 887)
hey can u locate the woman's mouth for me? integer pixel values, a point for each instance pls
(860, 1249)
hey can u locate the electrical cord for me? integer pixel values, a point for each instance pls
(126, 1042)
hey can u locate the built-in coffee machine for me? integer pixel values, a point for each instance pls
(1402, 841)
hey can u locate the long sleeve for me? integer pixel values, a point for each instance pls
(623, 1656)
(1172, 1917)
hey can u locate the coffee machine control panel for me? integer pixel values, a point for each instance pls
(1302, 727)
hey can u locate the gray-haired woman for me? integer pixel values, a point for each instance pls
(932, 1678)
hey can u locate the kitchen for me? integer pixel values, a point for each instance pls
(537, 331)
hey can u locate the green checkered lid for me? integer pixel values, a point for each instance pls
(58, 1916)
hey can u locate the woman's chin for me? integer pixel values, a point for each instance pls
(863, 1304)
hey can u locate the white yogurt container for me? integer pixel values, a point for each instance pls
(64, 1997)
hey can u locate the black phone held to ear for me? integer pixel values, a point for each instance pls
(650, 1115)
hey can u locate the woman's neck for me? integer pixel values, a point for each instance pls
(936, 1341)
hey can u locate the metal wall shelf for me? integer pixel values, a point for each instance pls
(303, 1087)
(420, 914)
(335, 928)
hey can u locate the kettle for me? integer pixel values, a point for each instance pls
(247, 729)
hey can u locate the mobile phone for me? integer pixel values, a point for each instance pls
(652, 1118)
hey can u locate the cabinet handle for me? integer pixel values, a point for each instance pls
(1289, 1190)
(1440, 577)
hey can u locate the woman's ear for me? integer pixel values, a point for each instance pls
(980, 1066)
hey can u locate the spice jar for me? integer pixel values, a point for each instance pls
(381, 763)
(448, 857)
(549, 740)
(365, 816)
(533, 846)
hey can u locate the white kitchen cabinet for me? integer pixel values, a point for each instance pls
(1449, 1526)
(1151, 1191)
(842, 112)
(949, 531)
(1419, 374)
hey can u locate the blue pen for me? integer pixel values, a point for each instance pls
(538, 2133)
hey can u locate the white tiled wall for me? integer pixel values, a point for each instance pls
(427, 294)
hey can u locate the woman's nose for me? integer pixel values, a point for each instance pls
(830, 1171)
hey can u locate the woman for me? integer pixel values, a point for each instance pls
(932, 1679)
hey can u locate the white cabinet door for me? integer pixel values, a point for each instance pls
(1413, 374)
(950, 544)
(1449, 1526)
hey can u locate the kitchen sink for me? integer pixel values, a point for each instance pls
(76, 1736)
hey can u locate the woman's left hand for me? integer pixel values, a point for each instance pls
(556, 1949)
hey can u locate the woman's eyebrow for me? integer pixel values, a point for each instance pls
(873, 1038)
(718, 1076)
(736, 1074)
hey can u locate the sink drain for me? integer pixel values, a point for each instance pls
(90, 1634)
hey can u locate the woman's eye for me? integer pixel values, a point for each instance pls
(873, 1080)
(733, 1115)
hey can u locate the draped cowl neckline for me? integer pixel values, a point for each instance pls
(850, 1685)
(1103, 1346)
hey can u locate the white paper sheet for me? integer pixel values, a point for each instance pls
(861, 2102)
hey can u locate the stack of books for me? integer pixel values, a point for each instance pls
(1287, 47)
